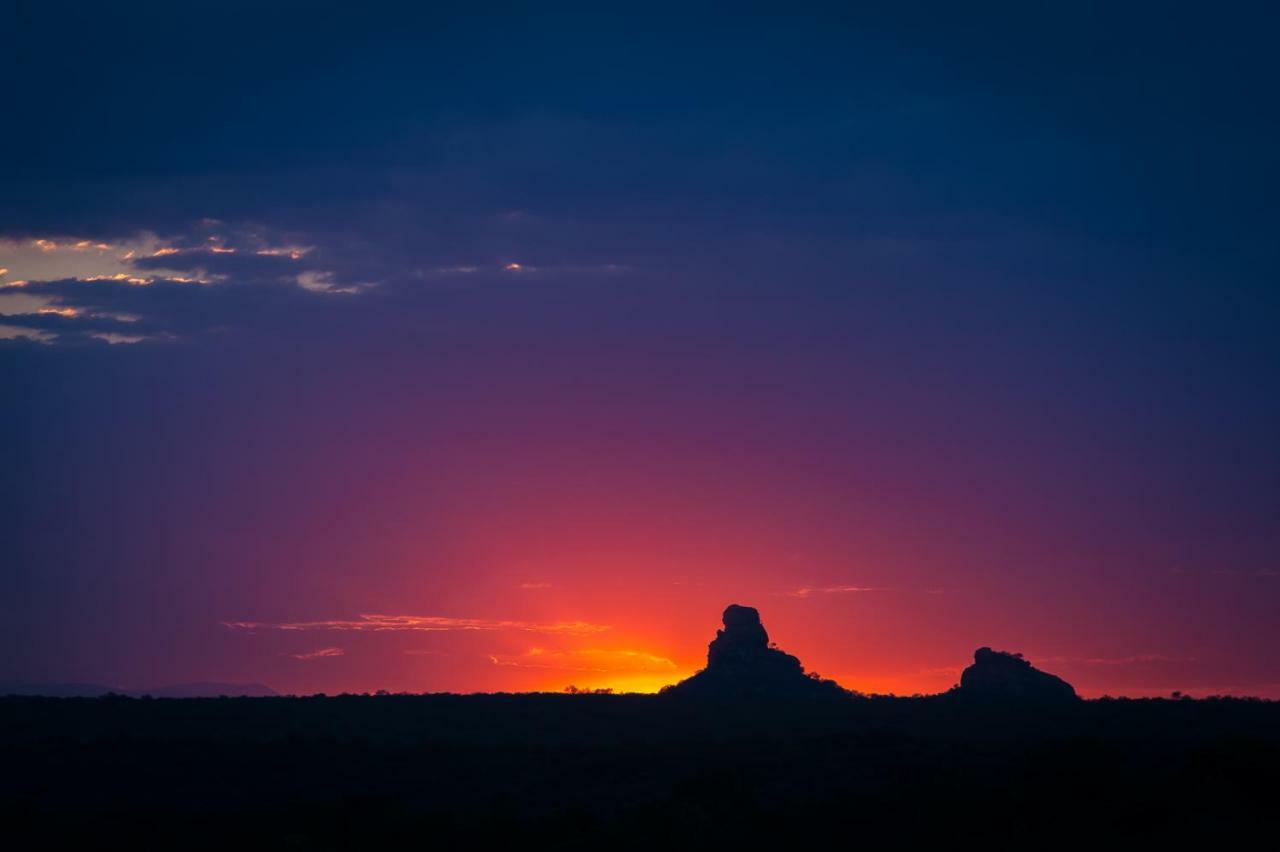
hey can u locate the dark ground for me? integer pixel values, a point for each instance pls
(577, 770)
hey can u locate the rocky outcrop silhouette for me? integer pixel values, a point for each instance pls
(742, 664)
(999, 676)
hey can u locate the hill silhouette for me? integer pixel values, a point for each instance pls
(742, 665)
(1000, 676)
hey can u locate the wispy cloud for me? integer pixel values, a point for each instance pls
(1130, 660)
(40, 316)
(67, 289)
(535, 585)
(523, 269)
(810, 591)
(318, 654)
(423, 623)
(586, 660)
(17, 332)
(201, 278)
(114, 337)
(323, 281)
(1136, 659)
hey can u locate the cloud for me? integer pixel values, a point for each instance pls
(1130, 660)
(535, 585)
(423, 623)
(115, 338)
(809, 591)
(14, 332)
(207, 277)
(1136, 659)
(318, 654)
(157, 309)
(512, 269)
(211, 276)
(586, 660)
(53, 257)
(39, 311)
(323, 281)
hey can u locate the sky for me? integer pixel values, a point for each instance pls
(440, 348)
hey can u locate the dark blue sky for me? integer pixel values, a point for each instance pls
(978, 297)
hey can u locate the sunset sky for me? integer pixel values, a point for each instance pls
(434, 350)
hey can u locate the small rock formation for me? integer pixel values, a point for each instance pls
(741, 664)
(999, 676)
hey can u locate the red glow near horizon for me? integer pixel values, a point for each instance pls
(418, 353)
(621, 587)
(461, 535)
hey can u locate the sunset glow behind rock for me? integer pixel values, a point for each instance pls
(346, 351)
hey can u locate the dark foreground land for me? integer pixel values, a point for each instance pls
(577, 770)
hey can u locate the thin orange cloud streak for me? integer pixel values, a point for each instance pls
(807, 591)
(597, 660)
(423, 623)
(319, 654)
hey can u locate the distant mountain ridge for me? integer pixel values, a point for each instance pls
(211, 689)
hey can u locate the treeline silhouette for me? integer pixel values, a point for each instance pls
(346, 772)
(1013, 758)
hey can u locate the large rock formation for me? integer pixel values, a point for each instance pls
(741, 664)
(999, 676)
